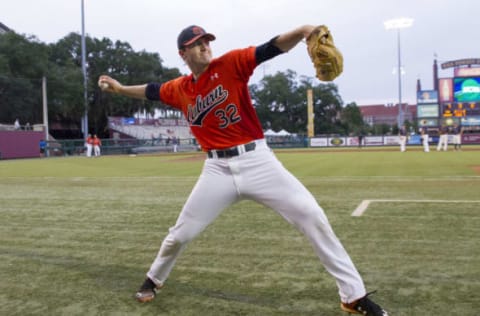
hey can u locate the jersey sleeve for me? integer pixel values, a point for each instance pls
(242, 61)
(172, 93)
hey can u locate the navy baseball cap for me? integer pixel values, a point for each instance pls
(192, 33)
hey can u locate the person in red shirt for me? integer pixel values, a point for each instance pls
(239, 164)
(89, 145)
(96, 145)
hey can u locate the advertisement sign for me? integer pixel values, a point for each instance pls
(445, 86)
(373, 140)
(449, 121)
(336, 141)
(466, 89)
(414, 140)
(318, 142)
(466, 72)
(471, 121)
(471, 138)
(427, 96)
(428, 122)
(427, 110)
(128, 120)
(352, 141)
(460, 62)
(391, 140)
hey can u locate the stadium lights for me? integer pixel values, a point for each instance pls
(84, 71)
(399, 23)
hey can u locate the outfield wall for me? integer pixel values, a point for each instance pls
(20, 144)
(25, 144)
(343, 141)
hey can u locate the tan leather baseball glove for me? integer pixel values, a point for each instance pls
(326, 58)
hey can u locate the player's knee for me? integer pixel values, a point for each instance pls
(171, 245)
(179, 237)
(311, 213)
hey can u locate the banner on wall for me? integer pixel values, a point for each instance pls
(427, 97)
(427, 110)
(318, 142)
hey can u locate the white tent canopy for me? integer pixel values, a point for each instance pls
(270, 132)
(283, 133)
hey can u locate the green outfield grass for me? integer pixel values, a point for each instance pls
(77, 236)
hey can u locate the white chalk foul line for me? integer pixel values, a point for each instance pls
(362, 207)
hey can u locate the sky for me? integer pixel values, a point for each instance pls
(442, 29)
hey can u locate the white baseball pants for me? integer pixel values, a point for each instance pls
(426, 146)
(89, 150)
(442, 143)
(259, 176)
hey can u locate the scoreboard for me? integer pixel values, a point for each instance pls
(457, 101)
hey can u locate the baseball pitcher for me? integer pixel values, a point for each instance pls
(239, 164)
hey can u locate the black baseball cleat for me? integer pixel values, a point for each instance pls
(363, 306)
(147, 291)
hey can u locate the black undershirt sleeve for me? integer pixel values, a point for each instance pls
(267, 51)
(152, 92)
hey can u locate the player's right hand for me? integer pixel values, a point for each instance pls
(108, 84)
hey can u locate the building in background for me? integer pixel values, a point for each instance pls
(3, 28)
(387, 113)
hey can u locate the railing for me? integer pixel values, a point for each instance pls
(76, 147)
(136, 146)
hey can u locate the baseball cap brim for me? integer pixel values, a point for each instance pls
(209, 37)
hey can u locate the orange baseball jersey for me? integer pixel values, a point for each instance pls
(218, 106)
(97, 141)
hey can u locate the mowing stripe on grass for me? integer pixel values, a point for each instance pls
(362, 207)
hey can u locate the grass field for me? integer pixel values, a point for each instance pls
(77, 236)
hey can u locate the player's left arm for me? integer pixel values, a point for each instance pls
(281, 43)
(289, 40)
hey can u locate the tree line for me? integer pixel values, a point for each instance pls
(280, 99)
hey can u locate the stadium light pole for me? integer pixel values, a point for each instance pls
(84, 70)
(398, 24)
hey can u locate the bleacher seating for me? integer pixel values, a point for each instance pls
(151, 128)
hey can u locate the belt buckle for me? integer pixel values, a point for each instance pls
(250, 146)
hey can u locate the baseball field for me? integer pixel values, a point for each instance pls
(77, 236)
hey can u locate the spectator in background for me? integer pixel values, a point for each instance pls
(16, 125)
(402, 135)
(96, 145)
(153, 139)
(360, 139)
(175, 144)
(43, 146)
(425, 137)
(89, 145)
(457, 137)
(28, 127)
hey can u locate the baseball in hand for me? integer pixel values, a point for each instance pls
(103, 85)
